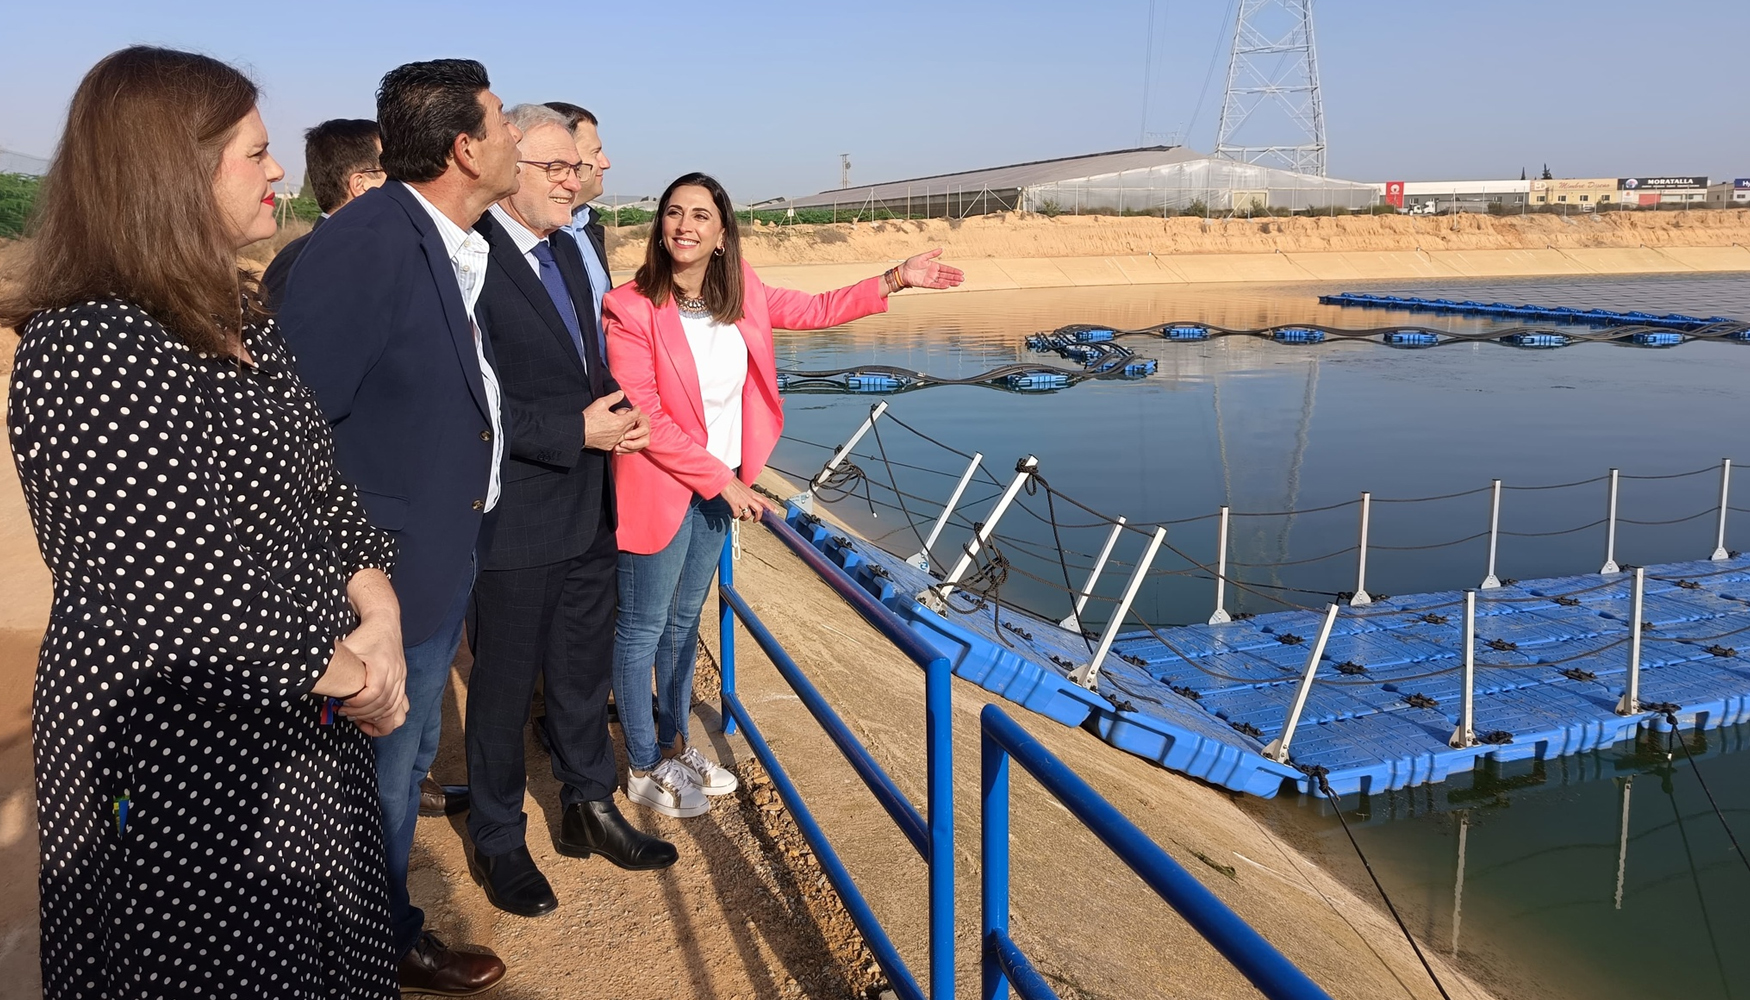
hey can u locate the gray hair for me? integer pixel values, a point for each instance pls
(530, 116)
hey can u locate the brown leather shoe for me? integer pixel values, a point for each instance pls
(433, 967)
(441, 800)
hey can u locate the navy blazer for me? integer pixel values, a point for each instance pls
(375, 318)
(279, 270)
(557, 493)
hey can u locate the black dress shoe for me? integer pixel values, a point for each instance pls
(513, 883)
(434, 968)
(442, 800)
(598, 828)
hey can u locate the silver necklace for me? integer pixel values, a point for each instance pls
(693, 305)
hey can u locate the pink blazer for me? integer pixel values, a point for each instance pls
(650, 357)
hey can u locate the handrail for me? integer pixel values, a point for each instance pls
(1004, 965)
(932, 833)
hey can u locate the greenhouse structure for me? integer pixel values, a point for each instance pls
(1155, 180)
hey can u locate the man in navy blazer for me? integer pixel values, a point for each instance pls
(545, 597)
(380, 314)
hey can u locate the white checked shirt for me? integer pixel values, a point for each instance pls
(469, 255)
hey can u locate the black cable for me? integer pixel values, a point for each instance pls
(1318, 774)
(1671, 717)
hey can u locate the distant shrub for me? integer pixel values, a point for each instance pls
(17, 198)
(1050, 208)
(1198, 207)
(1383, 209)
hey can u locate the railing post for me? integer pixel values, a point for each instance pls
(805, 499)
(1491, 582)
(922, 559)
(1465, 735)
(939, 798)
(1720, 553)
(1361, 599)
(994, 843)
(1220, 617)
(726, 636)
(1089, 676)
(1631, 696)
(1074, 621)
(1610, 531)
(1278, 748)
(936, 598)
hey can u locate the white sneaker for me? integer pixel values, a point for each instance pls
(712, 779)
(669, 789)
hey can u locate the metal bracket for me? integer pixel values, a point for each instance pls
(1074, 621)
(1465, 735)
(1088, 675)
(1278, 748)
(1631, 695)
(936, 598)
(922, 559)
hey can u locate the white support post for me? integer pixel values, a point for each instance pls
(1491, 582)
(1465, 735)
(936, 598)
(805, 499)
(1089, 676)
(1610, 565)
(1074, 621)
(1631, 696)
(922, 559)
(1361, 599)
(1720, 553)
(1220, 617)
(1278, 748)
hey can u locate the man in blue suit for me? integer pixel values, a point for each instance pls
(380, 314)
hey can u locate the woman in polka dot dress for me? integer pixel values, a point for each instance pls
(223, 634)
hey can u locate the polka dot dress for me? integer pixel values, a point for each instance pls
(204, 833)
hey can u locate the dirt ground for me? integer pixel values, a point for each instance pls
(1013, 235)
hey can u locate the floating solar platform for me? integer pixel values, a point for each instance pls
(1551, 665)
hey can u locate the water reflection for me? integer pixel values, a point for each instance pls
(1606, 875)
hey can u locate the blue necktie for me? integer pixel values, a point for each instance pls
(561, 297)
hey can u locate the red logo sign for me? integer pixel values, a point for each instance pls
(1394, 193)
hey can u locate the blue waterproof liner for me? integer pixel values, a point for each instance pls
(1205, 700)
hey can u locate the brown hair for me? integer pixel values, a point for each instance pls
(127, 207)
(333, 152)
(723, 290)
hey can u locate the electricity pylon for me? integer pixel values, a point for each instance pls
(1273, 87)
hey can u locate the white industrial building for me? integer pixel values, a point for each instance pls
(1150, 180)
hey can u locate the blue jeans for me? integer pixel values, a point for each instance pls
(661, 595)
(404, 757)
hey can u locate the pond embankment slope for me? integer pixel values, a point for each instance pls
(1012, 250)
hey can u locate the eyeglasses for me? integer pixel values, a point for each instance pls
(558, 170)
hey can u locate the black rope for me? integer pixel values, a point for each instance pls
(1035, 482)
(1556, 486)
(1318, 774)
(1675, 520)
(1671, 717)
(904, 513)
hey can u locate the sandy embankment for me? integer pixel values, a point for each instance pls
(1028, 251)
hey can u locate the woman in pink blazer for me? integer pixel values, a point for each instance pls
(690, 341)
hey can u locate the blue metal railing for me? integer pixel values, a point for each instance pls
(931, 833)
(1004, 963)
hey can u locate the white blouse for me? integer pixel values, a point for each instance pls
(721, 357)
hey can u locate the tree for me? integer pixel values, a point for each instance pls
(17, 197)
(1546, 174)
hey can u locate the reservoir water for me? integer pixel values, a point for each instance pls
(1289, 436)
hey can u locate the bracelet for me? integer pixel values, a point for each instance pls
(894, 279)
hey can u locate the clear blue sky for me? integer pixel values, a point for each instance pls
(766, 95)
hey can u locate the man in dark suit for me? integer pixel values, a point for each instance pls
(585, 226)
(380, 312)
(340, 163)
(544, 600)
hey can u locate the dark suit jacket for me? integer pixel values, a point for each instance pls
(555, 490)
(381, 335)
(273, 280)
(599, 241)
